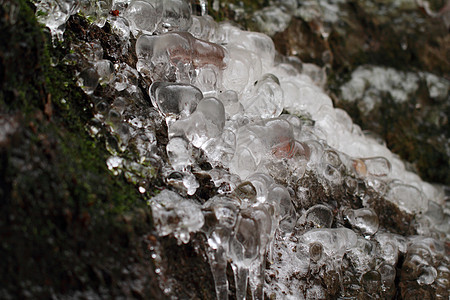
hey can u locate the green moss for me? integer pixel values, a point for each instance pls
(66, 223)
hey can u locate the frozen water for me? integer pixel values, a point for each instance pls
(179, 153)
(364, 219)
(175, 100)
(143, 15)
(175, 56)
(265, 99)
(335, 241)
(298, 183)
(406, 196)
(97, 11)
(54, 14)
(176, 16)
(148, 16)
(175, 215)
(205, 123)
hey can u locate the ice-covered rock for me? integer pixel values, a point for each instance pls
(293, 187)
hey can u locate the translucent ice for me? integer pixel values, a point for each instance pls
(225, 212)
(205, 123)
(363, 219)
(319, 216)
(335, 241)
(148, 16)
(176, 16)
(175, 100)
(223, 105)
(407, 197)
(257, 143)
(179, 153)
(54, 14)
(174, 56)
(97, 11)
(203, 27)
(143, 15)
(266, 99)
(172, 214)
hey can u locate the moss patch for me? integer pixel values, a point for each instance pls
(66, 224)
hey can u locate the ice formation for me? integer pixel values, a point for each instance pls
(221, 92)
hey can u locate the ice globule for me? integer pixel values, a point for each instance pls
(54, 14)
(318, 216)
(335, 241)
(176, 16)
(175, 215)
(406, 196)
(174, 56)
(149, 16)
(143, 15)
(174, 100)
(98, 11)
(205, 123)
(364, 219)
(179, 153)
(266, 98)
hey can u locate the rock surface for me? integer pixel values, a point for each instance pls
(85, 157)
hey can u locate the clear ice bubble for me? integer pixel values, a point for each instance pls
(243, 68)
(231, 103)
(88, 80)
(54, 14)
(175, 100)
(407, 197)
(92, 51)
(174, 56)
(363, 255)
(257, 145)
(335, 241)
(225, 211)
(262, 183)
(245, 243)
(179, 153)
(247, 249)
(175, 16)
(390, 246)
(246, 192)
(266, 99)
(364, 219)
(319, 216)
(220, 150)
(143, 15)
(97, 11)
(121, 27)
(286, 216)
(172, 214)
(377, 166)
(205, 123)
(105, 70)
(203, 27)
(371, 281)
(126, 78)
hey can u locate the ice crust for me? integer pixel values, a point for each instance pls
(221, 93)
